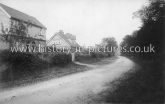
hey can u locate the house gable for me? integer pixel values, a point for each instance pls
(9, 15)
(58, 41)
(61, 39)
(15, 14)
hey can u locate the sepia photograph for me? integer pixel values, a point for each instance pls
(82, 51)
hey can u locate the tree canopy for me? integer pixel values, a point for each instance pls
(151, 32)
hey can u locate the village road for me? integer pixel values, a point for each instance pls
(72, 89)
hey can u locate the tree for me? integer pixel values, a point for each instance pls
(153, 17)
(152, 30)
(110, 44)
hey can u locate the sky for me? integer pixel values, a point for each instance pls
(89, 20)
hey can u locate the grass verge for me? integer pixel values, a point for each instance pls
(41, 75)
(143, 86)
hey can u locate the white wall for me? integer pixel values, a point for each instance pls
(37, 32)
(4, 45)
(34, 31)
(58, 41)
(4, 20)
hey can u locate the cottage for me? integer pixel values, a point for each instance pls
(63, 40)
(16, 26)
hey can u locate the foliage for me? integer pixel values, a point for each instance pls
(143, 86)
(92, 57)
(60, 58)
(146, 84)
(151, 32)
(21, 64)
(19, 29)
(110, 44)
(20, 60)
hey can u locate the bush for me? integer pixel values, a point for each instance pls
(99, 55)
(92, 57)
(60, 59)
(80, 57)
(21, 64)
(30, 64)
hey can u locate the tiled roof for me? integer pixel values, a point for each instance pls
(72, 43)
(21, 16)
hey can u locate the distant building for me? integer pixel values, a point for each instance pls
(63, 40)
(34, 31)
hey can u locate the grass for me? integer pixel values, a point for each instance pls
(89, 60)
(96, 61)
(41, 75)
(143, 86)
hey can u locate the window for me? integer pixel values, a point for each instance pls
(42, 32)
(57, 42)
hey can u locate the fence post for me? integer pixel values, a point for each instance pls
(73, 56)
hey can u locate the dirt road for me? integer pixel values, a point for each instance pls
(73, 89)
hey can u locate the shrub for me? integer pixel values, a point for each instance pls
(22, 64)
(99, 55)
(93, 56)
(21, 59)
(60, 59)
(30, 64)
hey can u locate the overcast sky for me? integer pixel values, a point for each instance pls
(89, 20)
